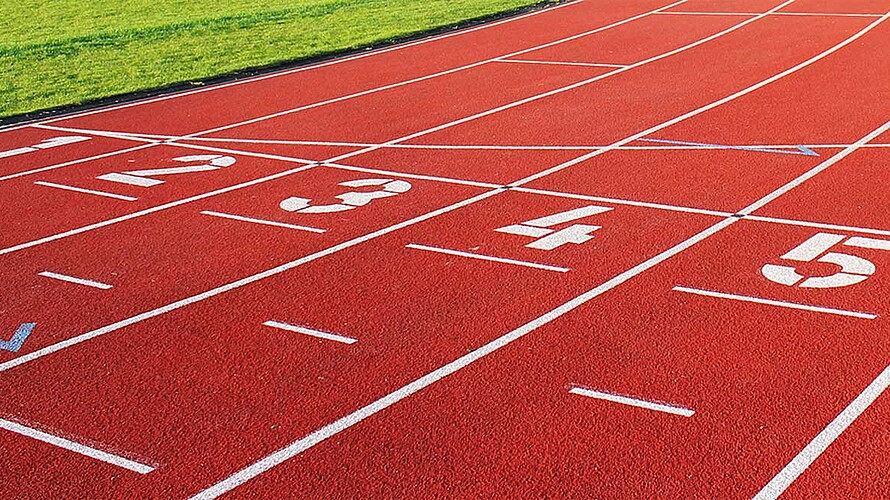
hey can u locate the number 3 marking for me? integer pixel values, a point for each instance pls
(853, 269)
(351, 200)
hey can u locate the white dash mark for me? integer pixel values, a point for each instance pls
(639, 403)
(76, 447)
(457, 253)
(310, 332)
(72, 279)
(264, 222)
(86, 191)
(789, 305)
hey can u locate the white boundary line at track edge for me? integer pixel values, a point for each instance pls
(81, 449)
(259, 467)
(430, 76)
(303, 68)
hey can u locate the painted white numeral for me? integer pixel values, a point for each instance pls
(351, 199)
(853, 269)
(143, 178)
(550, 239)
(46, 144)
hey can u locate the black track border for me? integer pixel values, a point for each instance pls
(175, 88)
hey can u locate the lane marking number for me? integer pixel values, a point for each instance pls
(144, 178)
(551, 239)
(46, 144)
(350, 200)
(853, 269)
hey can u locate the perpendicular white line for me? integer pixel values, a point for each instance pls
(79, 448)
(562, 63)
(620, 201)
(818, 225)
(717, 103)
(85, 191)
(458, 253)
(568, 88)
(625, 400)
(804, 14)
(425, 77)
(824, 439)
(311, 332)
(356, 417)
(407, 175)
(76, 162)
(72, 279)
(235, 284)
(241, 218)
(779, 303)
(310, 67)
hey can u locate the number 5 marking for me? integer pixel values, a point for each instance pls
(351, 200)
(853, 269)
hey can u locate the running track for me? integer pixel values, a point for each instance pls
(614, 248)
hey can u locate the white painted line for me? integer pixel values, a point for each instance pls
(86, 191)
(477, 256)
(818, 225)
(587, 82)
(406, 175)
(75, 447)
(789, 305)
(309, 331)
(148, 211)
(823, 440)
(639, 403)
(334, 428)
(264, 222)
(561, 63)
(428, 77)
(101, 133)
(75, 162)
(72, 279)
(804, 14)
(129, 179)
(236, 284)
(619, 201)
(301, 69)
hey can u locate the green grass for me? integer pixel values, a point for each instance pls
(59, 52)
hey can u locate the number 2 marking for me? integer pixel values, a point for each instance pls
(143, 178)
(853, 269)
(351, 199)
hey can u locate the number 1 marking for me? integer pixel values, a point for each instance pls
(46, 144)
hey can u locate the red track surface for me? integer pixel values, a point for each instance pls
(576, 277)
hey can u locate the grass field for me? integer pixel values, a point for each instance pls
(58, 52)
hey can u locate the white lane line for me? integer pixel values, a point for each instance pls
(236, 284)
(624, 400)
(69, 445)
(309, 331)
(85, 191)
(406, 175)
(619, 201)
(78, 281)
(587, 82)
(823, 440)
(805, 14)
(350, 420)
(101, 133)
(714, 104)
(263, 222)
(779, 303)
(75, 162)
(477, 256)
(562, 63)
(158, 208)
(428, 77)
(818, 225)
(301, 69)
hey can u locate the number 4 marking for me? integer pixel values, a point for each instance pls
(550, 239)
(853, 269)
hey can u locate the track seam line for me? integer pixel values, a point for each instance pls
(301, 69)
